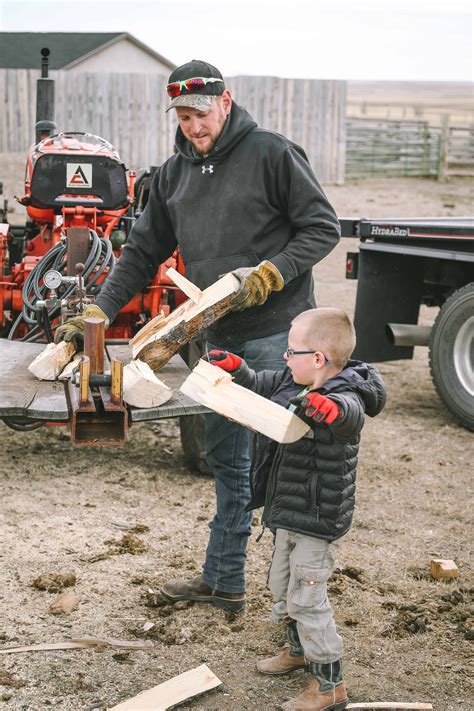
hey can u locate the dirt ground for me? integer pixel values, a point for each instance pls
(407, 637)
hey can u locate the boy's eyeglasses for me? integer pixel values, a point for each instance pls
(176, 87)
(290, 352)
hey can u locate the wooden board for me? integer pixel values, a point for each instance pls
(86, 642)
(172, 692)
(391, 706)
(186, 286)
(213, 387)
(23, 395)
(442, 569)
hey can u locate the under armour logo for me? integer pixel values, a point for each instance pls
(207, 169)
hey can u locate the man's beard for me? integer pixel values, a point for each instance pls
(200, 151)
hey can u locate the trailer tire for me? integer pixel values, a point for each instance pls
(451, 352)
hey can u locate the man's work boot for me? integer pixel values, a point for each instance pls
(326, 690)
(197, 590)
(290, 659)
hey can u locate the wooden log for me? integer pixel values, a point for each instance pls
(173, 691)
(165, 337)
(444, 569)
(142, 388)
(50, 362)
(148, 330)
(213, 387)
(94, 343)
(67, 371)
(391, 706)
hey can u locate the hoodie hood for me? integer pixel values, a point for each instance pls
(363, 379)
(237, 125)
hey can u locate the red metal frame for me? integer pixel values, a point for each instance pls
(49, 225)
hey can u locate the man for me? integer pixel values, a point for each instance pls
(238, 198)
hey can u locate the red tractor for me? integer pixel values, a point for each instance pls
(81, 203)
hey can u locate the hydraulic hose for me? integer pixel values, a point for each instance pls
(100, 258)
(23, 424)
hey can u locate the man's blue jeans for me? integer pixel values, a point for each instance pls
(227, 447)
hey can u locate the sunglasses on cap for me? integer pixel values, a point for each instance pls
(176, 87)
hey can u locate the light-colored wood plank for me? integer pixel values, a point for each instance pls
(213, 387)
(172, 692)
(391, 706)
(81, 643)
(186, 286)
(444, 569)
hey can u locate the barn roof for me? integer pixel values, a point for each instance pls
(21, 50)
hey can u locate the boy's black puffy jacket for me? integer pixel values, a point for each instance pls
(254, 197)
(309, 486)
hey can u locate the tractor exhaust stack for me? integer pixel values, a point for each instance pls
(45, 125)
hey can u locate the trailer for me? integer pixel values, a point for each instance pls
(400, 265)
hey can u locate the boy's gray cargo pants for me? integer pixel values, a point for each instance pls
(299, 572)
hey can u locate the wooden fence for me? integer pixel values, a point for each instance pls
(457, 150)
(129, 111)
(308, 111)
(408, 148)
(391, 148)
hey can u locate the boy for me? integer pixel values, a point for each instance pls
(307, 489)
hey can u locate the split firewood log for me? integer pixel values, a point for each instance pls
(214, 388)
(49, 363)
(142, 388)
(162, 337)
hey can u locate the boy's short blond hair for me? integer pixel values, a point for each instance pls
(329, 330)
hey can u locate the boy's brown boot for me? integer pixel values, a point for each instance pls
(283, 663)
(290, 658)
(326, 690)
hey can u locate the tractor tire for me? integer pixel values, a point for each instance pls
(192, 428)
(451, 352)
(192, 441)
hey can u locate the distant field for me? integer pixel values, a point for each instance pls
(412, 100)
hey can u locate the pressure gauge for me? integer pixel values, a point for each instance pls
(52, 279)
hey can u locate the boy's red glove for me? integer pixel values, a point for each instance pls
(223, 359)
(320, 408)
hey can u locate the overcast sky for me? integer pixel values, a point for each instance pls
(320, 39)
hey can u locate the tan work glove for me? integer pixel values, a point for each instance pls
(73, 330)
(259, 282)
